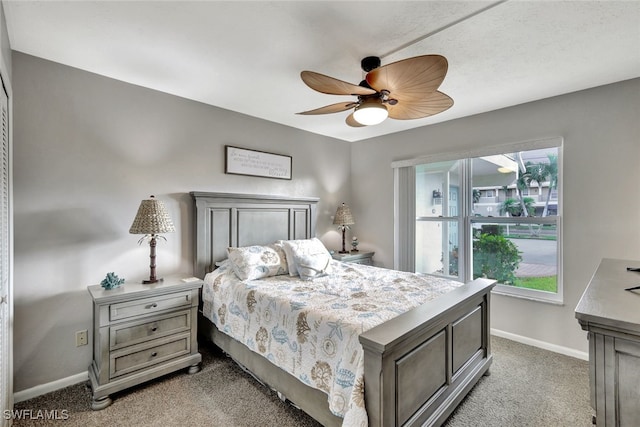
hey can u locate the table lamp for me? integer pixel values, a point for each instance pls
(151, 220)
(343, 219)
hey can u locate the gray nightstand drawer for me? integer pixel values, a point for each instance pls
(146, 306)
(144, 355)
(136, 332)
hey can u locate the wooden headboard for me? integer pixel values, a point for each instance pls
(230, 219)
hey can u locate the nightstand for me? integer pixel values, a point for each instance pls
(365, 258)
(141, 332)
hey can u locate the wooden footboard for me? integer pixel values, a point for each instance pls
(420, 365)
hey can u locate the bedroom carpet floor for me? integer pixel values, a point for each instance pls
(527, 387)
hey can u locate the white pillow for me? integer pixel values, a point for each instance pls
(256, 262)
(279, 248)
(291, 264)
(305, 250)
(311, 266)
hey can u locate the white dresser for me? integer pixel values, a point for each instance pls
(141, 332)
(611, 316)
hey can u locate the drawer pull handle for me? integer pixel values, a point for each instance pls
(154, 354)
(155, 328)
(154, 305)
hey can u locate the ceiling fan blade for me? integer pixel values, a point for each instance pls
(328, 109)
(411, 78)
(352, 122)
(331, 86)
(429, 105)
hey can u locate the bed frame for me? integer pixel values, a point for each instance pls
(417, 367)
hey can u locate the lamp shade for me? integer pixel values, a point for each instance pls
(152, 218)
(370, 112)
(343, 216)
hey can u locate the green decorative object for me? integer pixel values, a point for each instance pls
(111, 281)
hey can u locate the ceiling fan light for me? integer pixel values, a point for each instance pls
(370, 113)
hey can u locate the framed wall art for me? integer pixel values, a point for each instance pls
(243, 161)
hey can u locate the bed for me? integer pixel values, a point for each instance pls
(416, 366)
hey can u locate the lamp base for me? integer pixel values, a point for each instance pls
(344, 248)
(152, 263)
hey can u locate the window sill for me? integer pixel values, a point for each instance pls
(529, 294)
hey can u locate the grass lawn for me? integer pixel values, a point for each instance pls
(548, 283)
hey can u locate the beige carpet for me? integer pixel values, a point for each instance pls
(527, 387)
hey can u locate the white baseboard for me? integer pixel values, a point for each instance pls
(41, 389)
(541, 344)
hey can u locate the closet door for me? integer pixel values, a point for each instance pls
(6, 376)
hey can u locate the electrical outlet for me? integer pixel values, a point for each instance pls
(81, 338)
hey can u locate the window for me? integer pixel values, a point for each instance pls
(437, 224)
(497, 216)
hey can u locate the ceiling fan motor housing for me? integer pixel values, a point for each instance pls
(370, 63)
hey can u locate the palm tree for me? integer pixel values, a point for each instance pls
(529, 207)
(476, 198)
(521, 185)
(476, 195)
(510, 206)
(552, 171)
(538, 172)
(514, 207)
(522, 182)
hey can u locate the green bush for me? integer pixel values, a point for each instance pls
(495, 257)
(491, 229)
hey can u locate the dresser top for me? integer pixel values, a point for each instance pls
(132, 289)
(605, 302)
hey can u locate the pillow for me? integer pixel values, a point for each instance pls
(311, 266)
(279, 248)
(291, 264)
(307, 254)
(256, 262)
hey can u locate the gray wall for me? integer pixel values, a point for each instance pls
(88, 149)
(601, 172)
(5, 49)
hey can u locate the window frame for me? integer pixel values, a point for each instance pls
(404, 233)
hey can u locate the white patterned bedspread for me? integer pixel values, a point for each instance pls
(310, 328)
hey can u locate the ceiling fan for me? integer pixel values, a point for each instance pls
(402, 90)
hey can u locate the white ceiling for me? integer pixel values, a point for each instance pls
(247, 56)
